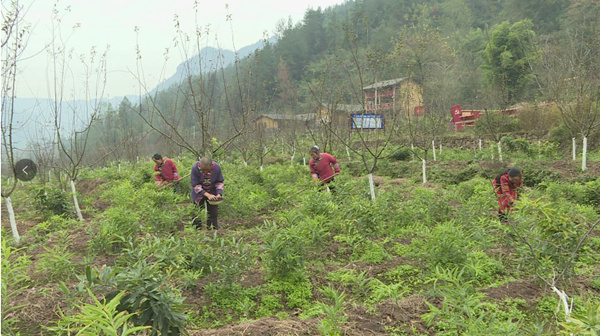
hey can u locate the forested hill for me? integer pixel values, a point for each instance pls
(478, 53)
(458, 28)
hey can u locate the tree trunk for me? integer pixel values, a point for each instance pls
(433, 146)
(76, 202)
(372, 186)
(563, 299)
(348, 152)
(500, 151)
(424, 172)
(11, 216)
(584, 155)
(480, 145)
(574, 150)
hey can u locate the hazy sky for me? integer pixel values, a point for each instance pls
(112, 23)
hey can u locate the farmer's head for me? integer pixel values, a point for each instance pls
(157, 158)
(514, 174)
(314, 152)
(205, 164)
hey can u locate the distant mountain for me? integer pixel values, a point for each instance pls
(210, 59)
(33, 118)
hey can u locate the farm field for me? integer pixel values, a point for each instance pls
(290, 259)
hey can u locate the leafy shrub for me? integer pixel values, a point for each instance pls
(147, 295)
(534, 175)
(297, 290)
(53, 201)
(335, 315)
(119, 225)
(269, 305)
(101, 318)
(56, 262)
(14, 281)
(402, 154)
(446, 176)
(516, 145)
(447, 246)
(284, 251)
(370, 252)
(481, 267)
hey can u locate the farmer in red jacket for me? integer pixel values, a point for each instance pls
(508, 186)
(166, 172)
(323, 166)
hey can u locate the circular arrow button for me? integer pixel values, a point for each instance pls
(25, 170)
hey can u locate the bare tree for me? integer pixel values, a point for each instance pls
(569, 75)
(72, 121)
(364, 66)
(195, 99)
(15, 32)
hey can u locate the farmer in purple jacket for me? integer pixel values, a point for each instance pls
(207, 188)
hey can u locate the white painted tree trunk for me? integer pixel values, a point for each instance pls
(500, 151)
(245, 163)
(261, 168)
(424, 172)
(348, 152)
(372, 187)
(565, 303)
(77, 209)
(119, 168)
(433, 146)
(574, 150)
(440, 149)
(584, 155)
(137, 159)
(11, 216)
(480, 145)
(304, 161)
(292, 159)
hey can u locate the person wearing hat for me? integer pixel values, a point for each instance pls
(207, 189)
(508, 186)
(166, 172)
(321, 166)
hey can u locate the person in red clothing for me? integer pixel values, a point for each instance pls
(508, 186)
(166, 172)
(321, 166)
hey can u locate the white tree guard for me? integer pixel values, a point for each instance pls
(348, 152)
(574, 150)
(433, 146)
(304, 161)
(424, 172)
(584, 155)
(11, 216)
(500, 151)
(372, 187)
(77, 209)
(480, 145)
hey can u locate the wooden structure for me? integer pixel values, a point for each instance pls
(280, 121)
(337, 113)
(400, 94)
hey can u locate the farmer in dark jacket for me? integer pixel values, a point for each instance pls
(166, 171)
(207, 188)
(508, 186)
